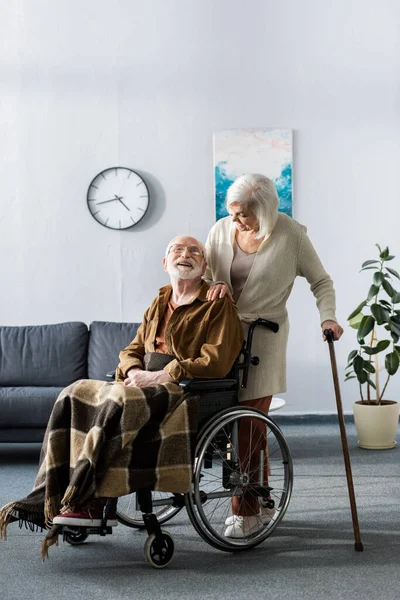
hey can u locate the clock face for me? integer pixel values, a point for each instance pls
(118, 198)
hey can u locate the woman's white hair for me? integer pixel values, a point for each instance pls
(258, 193)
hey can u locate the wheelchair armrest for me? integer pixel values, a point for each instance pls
(110, 375)
(197, 385)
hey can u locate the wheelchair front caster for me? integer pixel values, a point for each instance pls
(76, 538)
(159, 550)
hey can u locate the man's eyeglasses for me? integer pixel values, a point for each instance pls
(178, 249)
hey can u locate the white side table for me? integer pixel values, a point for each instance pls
(276, 404)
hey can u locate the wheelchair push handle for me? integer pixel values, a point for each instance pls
(248, 358)
(264, 323)
(267, 324)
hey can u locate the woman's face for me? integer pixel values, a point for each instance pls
(243, 217)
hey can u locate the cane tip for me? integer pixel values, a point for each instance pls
(358, 547)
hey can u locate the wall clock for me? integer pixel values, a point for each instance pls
(118, 198)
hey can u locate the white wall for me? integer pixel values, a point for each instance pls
(91, 84)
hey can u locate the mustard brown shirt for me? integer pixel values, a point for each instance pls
(205, 337)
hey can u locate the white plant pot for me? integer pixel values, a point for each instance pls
(376, 425)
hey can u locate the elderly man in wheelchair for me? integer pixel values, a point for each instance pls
(168, 433)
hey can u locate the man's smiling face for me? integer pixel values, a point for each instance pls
(185, 258)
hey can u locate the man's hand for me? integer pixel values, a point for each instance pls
(139, 378)
(334, 327)
(219, 290)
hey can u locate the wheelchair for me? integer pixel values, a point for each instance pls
(222, 470)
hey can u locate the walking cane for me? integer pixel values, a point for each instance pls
(357, 539)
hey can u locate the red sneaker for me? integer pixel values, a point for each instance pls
(88, 515)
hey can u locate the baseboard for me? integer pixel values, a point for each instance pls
(311, 419)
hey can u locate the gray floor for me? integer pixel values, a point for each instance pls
(311, 555)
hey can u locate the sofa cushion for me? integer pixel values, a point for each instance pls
(43, 355)
(106, 340)
(26, 406)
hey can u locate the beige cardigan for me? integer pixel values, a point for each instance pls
(284, 255)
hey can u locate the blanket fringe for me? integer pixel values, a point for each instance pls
(26, 514)
(69, 499)
(51, 539)
(51, 509)
(5, 520)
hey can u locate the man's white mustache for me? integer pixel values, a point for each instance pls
(178, 261)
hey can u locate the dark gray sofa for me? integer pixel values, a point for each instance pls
(37, 362)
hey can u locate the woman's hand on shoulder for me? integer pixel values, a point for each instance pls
(336, 329)
(219, 290)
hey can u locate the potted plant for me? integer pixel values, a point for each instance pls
(377, 321)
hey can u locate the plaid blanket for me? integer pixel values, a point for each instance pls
(108, 440)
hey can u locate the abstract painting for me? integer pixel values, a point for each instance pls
(265, 151)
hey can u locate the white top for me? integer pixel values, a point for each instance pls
(286, 254)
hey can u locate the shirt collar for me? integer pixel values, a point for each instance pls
(201, 294)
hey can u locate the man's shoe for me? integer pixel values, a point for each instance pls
(88, 515)
(244, 527)
(266, 514)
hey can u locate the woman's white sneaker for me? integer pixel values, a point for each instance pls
(243, 527)
(266, 514)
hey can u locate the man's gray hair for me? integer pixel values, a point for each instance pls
(201, 246)
(258, 193)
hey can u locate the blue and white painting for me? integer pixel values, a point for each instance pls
(265, 151)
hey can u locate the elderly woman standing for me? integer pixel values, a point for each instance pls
(255, 255)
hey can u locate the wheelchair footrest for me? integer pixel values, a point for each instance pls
(68, 530)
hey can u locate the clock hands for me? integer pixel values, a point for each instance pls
(119, 198)
(111, 200)
(123, 203)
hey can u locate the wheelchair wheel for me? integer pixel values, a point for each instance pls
(128, 513)
(261, 471)
(159, 552)
(76, 538)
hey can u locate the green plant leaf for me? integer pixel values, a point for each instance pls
(384, 254)
(352, 355)
(388, 288)
(369, 262)
(357, 310)
(382, 345)
(371, 383)
(369, 367)
(366, 326)
(379, 248)
(392, 362)
(358, 364)
(393, 272)
(396, 298)
(397, 348)
(368, 269)
(362, 377)
(373, 290)
(351, 377)
(381, 314)
(355, 321)
(378, 278)
(385, 303)
(393, 325)
(395, 319)
(389, 257)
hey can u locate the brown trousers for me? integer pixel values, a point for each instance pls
(252, 439)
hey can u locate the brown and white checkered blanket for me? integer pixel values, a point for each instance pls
(108, 440)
